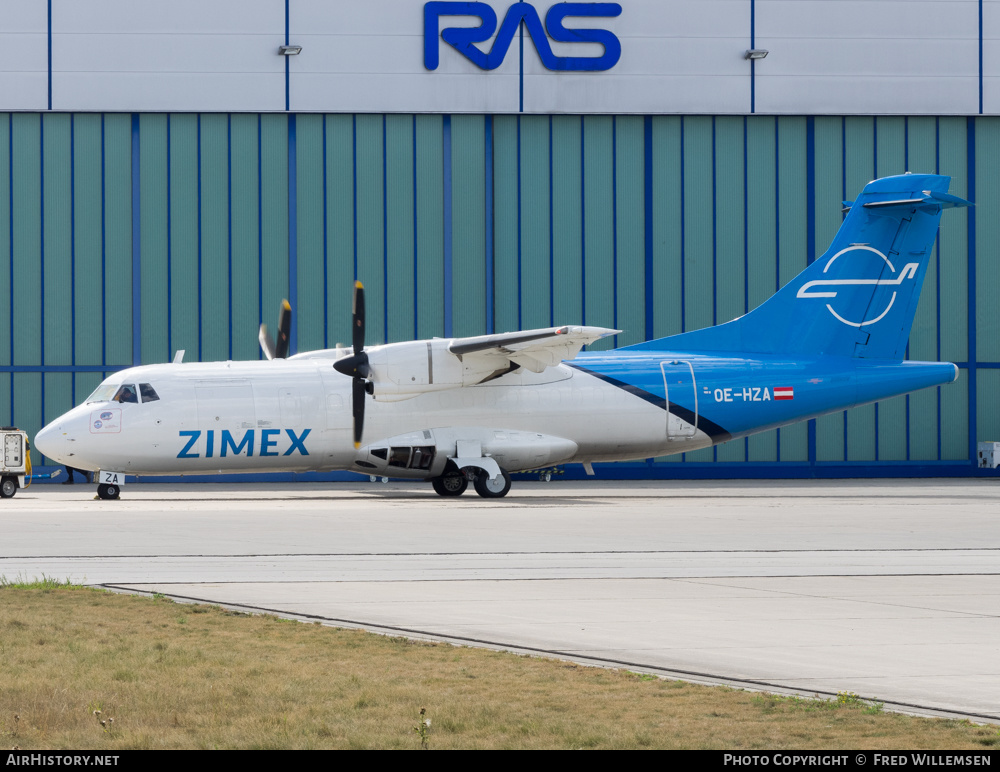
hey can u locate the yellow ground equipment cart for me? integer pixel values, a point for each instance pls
(15, 461)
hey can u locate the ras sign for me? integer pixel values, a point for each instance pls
(462, 39)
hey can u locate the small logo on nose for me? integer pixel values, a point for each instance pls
(106, 416)
(98, 424)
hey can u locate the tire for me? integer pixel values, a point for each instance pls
(8, 487)
(450, 485)
(492, 489)
(108, 492)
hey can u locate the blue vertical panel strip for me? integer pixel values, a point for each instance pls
(354, 189)
(811, 241)
(583, 221)
(41, 255)
(520, 325)
(647, 211)
(614, 222)
(50, 53)
(446, 156)
(293, 232)
(260, 226)
(198, 155)
(715, 282)
(72, 246)
(287, 84)
(170, 322)
(229, 224)
(136, 248)
(753, 44)
(937, 283)
(104, 300)
(552, 243)
(385, 238)
(10, 261)
(682, 182)
(973, 354)
(416, 240)
(488, 161)
(326, 264)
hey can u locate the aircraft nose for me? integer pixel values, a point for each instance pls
(54, 441)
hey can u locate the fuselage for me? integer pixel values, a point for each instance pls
(295, 415)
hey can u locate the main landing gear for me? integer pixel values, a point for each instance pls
(456, 483)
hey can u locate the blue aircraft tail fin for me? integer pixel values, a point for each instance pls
(860, 297)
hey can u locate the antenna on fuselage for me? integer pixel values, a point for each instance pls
(179, 356)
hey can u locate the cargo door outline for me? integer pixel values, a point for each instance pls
(675, 383)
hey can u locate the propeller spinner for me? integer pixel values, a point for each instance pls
(356, 365)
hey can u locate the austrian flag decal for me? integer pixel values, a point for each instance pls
(784, 392)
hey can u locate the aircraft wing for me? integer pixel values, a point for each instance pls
(532, 349)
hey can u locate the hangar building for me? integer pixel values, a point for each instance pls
(170, 171)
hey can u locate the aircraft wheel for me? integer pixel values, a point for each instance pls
(109, 492)
(492, 489)
(450, 485)
(8, 487)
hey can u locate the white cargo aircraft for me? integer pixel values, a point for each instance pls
(455, 411)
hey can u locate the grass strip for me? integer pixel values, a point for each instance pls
(87, 669)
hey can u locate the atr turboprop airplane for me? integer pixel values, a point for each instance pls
(455, 411)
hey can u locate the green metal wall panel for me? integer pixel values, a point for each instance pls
(955, 418)
(468, 225)
(568, 241)
(154, 214)
(213, 298)
(88, 240)
(535, 201)
(57, 241)
(429, 180)
(988, 405)
(668, 227)
(567, 219)
(27, 238)
(696, 268)
(118, 238)
(506, 223)
(598, 224)
(400, 258)
(7, 291)
(311, 311)
(630, 228)
(369, 175)
(953, 242)
(987, 237)
(248, 309)
(340, 242)
(274, 216)
(185, 318)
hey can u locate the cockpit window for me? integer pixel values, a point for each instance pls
(104, 392)
(125, 394)
(148, 393)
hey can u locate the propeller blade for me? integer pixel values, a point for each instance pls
(358, 318)
(358, 409)
(266, 342)
(284, 330)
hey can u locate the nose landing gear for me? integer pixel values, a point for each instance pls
(108, 492)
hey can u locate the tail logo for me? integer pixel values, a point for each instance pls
(827, 288)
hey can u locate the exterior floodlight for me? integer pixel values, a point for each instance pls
(755, 53)
(296, 50)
